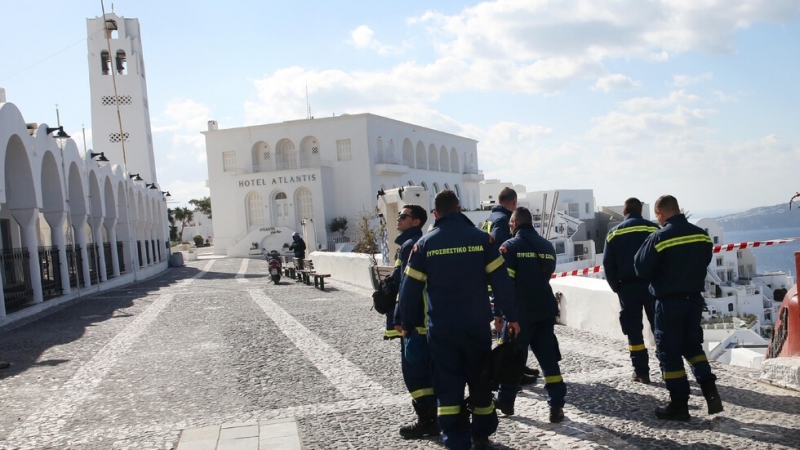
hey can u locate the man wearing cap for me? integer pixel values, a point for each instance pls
(675, 261)
(447, 274)
(299, 247)
(622, 242)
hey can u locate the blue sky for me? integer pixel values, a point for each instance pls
(699, 99)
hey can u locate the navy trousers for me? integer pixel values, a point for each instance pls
(541, 339)
(678, 334)
(418, 377)
(633, 298)
(459, 357)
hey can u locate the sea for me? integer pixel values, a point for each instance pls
(773, 258)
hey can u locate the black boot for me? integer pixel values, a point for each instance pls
(556, 415)
(709, 389)
(426, 424)
(675, 410)
(480, 443)
(528, 371)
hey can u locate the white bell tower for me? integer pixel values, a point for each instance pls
(116, 64)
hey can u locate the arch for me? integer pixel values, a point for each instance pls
(444, 160)
(279, 204)
(435, 188)
(20, 190)
(309, 152)
(121, 63)
(94, 196)
(104, 62)
(408, 153)
(424, 185)
(52, 195)
(304, 204)
(261, 157)
(77, 204)
(285, 155)
(391, 157)
(453, 160)
(254, 205)
(422, 157)
(433, 158)
(457, 190)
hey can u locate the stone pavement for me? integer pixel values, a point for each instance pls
(214, 352)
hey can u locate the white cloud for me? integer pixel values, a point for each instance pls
(615, 82)
(680, 80)
(363, 37)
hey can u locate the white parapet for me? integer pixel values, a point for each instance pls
(589, 304)
(353, 268)
(783, 372)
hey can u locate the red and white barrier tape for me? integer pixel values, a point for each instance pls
(717, 249)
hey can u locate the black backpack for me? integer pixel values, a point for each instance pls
(385, 298)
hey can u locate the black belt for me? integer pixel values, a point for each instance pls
(678, 296)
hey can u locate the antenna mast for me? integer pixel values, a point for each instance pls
(308, 105)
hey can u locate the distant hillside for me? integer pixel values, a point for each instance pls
(763, 217)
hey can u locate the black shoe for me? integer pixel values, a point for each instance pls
(481, 443)
(674, 411)
(644, 379)
(527, 379)
(419, 429)
(709, 389)
(504, 408)
(556, 415)
(528, 371)
(4, 365)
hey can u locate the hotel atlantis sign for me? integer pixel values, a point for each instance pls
(278, 180)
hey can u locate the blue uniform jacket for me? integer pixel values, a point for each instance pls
(531, 260)
(499, 229)
(447, 274)
(675, 259)
(622, 242)
(406, 241)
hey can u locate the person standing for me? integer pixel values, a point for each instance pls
(446, 274)
(675, 261)
(497, 223)
(417, 370)
(622, 243)
(299, 248)
(531, 260)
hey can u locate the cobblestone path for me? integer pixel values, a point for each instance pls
(214, 342)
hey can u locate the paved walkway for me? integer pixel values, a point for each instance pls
(213, 354)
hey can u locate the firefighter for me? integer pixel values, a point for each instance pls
(622, 242)
(417, 371)
(531, 260)
(675, 261)
(447, 273)
(497, 223)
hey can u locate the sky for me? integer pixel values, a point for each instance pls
(695, 98)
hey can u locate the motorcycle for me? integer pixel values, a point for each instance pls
(275, 266)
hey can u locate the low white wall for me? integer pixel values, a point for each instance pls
(353, 268)
(589, 304)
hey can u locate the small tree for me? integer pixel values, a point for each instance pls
(338, 225)
(203, 205)
(184, 216)
(368, 234)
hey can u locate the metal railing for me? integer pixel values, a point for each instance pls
(107, 255)
(94, 264)
(121, 256)
(17, 290)
(332, 241)
(139, 252)
(50, 269)
(75, 266)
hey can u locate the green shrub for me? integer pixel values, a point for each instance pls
(198, 241)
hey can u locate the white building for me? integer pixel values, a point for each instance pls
(69, 222)
(267, 181)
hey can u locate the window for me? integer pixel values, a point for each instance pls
(587, 208)
(573, 210)
(343, 150)
(255, 209)
(716, 239)
(121, 63)
(730, 307)
(561, 247)
(115, 137)
(228, 161)
(305, 204)
(719, 262)
(108, 100)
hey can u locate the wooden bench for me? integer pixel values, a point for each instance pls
(309, 272)
(288, 268)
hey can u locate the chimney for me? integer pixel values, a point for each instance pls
(213, 125)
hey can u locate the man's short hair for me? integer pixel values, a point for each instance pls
(446, 202)
(506, 195)
(633, 206)
(417, 212)
(667, 204)
(522, 216)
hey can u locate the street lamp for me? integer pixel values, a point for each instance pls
(101, 160)
(61, 133)
(151, 185)
(135, 177)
